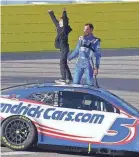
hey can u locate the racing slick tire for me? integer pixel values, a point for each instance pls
(18, 133)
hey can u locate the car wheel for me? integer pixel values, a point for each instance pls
(18, 133)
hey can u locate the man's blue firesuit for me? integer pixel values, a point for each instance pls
(88, 53)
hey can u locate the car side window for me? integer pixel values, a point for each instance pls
(69, 99)
(105, 106)
(85, 101)
(99, 104)
(74, 100)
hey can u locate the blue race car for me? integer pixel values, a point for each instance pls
(68, 117)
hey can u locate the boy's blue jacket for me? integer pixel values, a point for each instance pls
(87, 49)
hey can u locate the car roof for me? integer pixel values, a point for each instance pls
(77, 86)
(49, 85)
(71, 86)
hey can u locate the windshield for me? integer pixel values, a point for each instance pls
(130, 107)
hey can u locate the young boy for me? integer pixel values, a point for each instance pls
(61, 42)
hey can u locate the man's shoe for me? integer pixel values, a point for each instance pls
(60, 81)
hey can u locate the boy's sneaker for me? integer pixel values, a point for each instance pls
(61, 81)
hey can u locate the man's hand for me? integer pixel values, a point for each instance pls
(68, 61)
(50, 11)
(95, 71)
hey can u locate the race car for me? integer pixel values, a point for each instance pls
(68, 117)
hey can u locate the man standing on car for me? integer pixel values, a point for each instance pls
(61, 42)
(87, 50)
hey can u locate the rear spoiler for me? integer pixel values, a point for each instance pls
(24, 85)
(20, 85)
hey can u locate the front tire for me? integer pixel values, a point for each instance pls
(18, 133)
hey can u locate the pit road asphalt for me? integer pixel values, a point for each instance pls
(119, 73)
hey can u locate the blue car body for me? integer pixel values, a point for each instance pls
(111, 124)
